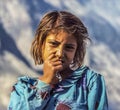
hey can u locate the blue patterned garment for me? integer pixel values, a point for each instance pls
(83, 90)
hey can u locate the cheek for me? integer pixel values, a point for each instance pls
(71, 56)
(45, 52)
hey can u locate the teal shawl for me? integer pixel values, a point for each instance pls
(82, 90)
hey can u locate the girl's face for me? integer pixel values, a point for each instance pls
(62, 45)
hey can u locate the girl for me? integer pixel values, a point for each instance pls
(66, 84)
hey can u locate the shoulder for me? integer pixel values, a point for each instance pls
(93, 75)
(94, 78)
(27, 80)
(24, 83)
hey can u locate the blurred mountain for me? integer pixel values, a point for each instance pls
(19, 20)
(9, 45)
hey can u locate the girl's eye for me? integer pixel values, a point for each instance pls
(53, 44)
(70, 48)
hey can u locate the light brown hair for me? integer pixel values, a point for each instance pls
(54, 21)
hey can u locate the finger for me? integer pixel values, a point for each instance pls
(52, 52)
(57, 63)
(58, 68)
(55, 59)
(51, 55)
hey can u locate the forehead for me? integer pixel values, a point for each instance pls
(61, 36)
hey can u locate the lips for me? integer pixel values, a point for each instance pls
(63, 61)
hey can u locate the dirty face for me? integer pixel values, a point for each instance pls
(62, 45)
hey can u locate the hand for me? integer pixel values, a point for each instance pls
(51, 66)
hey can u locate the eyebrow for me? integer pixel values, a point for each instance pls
(70, 44)
(52, 40)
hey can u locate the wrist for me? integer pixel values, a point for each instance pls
(45, 79)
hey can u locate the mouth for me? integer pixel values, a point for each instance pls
(63, 61)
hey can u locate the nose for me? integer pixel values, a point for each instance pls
(60, 53)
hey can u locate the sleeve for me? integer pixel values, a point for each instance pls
(97, 97)
(27, 97)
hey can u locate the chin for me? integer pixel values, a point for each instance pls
(65, 65)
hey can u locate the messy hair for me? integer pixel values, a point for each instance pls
(54, 21)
